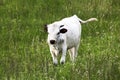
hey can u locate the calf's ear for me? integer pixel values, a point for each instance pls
(45, 27)
(63, 30)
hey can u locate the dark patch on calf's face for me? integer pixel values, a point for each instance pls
(61, 26)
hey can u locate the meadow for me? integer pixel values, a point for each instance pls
(25, 55)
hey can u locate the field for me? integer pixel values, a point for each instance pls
(25, 55)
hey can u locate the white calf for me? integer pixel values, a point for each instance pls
(65, 35)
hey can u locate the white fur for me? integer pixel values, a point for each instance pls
(65, 41)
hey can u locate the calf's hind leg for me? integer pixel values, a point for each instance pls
(73, 53)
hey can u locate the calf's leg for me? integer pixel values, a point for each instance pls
(64, 50)
(54, 56)
(73, 53)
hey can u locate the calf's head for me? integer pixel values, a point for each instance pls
(54, 32)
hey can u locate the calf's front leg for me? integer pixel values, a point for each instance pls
(54, 54)
(64, 50)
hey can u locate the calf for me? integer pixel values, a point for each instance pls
(65, 35)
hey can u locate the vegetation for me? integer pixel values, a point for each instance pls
(24, 53)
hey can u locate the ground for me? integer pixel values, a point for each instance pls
(25, 55)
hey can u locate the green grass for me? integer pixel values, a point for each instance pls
(24, 53)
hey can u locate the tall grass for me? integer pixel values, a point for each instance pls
(24, 53)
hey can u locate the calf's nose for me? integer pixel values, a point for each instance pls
(52, 41)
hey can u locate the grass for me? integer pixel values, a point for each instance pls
(24, 53)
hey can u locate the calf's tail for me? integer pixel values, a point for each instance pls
(86, 21)
(89, 20)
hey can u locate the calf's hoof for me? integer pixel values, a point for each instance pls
(62, 62)
(55, 64)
